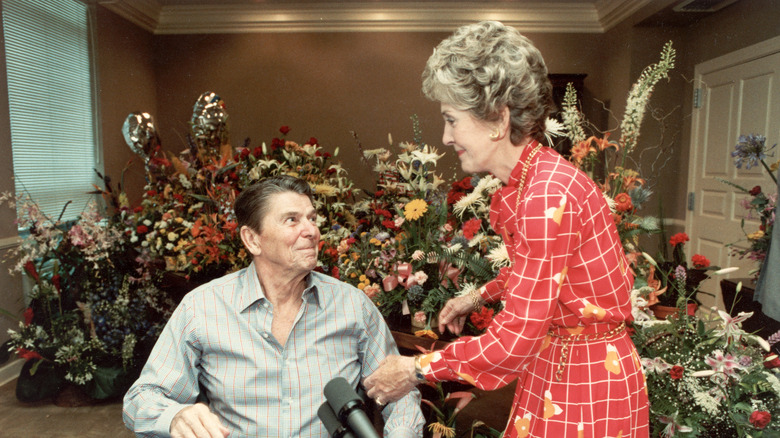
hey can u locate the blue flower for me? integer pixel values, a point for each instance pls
(750, 150)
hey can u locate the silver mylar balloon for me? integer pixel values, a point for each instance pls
(140, 133)
(209, 118)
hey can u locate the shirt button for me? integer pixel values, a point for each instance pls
(265, 305)
(265, 335)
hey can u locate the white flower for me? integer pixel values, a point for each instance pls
(499, 256)
(649, 259)
(725, 271)
(147, 222)
(172, 236)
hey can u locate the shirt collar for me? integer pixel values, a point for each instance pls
(253, 291)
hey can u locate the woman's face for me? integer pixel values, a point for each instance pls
(470, 138)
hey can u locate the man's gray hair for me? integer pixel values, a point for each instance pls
(252, 204)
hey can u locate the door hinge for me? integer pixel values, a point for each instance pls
(691, 201)
(697, 94)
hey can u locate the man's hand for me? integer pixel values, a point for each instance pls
(453, 314)
(392, 380)
(197, 421)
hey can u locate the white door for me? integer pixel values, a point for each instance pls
(739, 95)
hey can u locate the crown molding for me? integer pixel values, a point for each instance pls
(566, 17)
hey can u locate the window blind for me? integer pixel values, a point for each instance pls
(50, 94)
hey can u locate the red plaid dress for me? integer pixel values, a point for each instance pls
(569, 276)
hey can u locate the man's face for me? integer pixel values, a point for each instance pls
(289, 239)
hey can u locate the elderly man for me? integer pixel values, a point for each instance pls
(259, 345)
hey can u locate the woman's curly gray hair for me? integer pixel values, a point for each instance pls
(487, 65)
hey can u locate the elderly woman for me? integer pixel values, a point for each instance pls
(562, 331)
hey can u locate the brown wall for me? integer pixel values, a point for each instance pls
(126, 83)
(321, 85)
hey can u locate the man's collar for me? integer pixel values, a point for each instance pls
(253, 291)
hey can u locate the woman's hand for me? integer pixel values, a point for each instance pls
(453, 314)
(393, 379)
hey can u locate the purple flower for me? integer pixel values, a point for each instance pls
(680, 274)
(750, 150)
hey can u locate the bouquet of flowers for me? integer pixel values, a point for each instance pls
(751, 150)
(93, 312)
(707, 377)
(607, 161)
(413, 249)
(186, 217)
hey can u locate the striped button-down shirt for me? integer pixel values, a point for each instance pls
(219, 342)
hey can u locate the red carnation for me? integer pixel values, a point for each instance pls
(284, 129)
(482, 319)
(760, 419)
(676, 372)
(138, 209)
(471, 227)
(389, 224)
(755, 191)
(313, 141)
(678, 239)
(453, 197)
(142, 229)
(699, 261)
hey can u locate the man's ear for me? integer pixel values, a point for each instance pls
(251, 240)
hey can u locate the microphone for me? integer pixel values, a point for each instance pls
(332, 423)
(348, 406)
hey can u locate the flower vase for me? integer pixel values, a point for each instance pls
(662, 312)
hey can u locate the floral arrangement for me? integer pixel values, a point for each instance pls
(607, 161)
(708, 377)
(416, 246)
(679, 279)
(93, 311)
(751, 150)
(186, 216)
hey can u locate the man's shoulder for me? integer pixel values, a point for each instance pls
(227, 283)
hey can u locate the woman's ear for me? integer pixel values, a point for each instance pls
(501, 127)
(251, 240)
(505, 121)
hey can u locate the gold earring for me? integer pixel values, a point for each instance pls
(495, 134)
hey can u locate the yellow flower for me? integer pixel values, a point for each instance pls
(415, 209)
(375, 241)
(325, 189)
(426, 334)
(755, 236)
(441, 430)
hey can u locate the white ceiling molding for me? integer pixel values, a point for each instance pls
(559, 17)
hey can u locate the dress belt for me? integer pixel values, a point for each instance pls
(569, 338)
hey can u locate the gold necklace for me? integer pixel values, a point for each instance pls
(526, 165)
